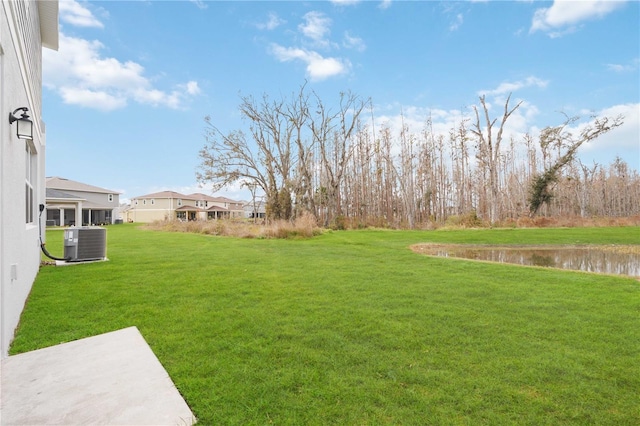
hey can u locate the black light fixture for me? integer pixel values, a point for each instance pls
(24, 128)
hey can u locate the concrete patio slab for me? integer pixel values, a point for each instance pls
(110, 379)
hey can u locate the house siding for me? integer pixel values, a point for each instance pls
(20, 86)
(145, 211)
(97, 201)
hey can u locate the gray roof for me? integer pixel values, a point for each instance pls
(166, 194)
(72, 185)
(60, 195)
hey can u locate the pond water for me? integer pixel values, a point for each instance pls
(619, 260)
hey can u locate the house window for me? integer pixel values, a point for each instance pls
(110, 198)
(153, 201)
(136, 201)
(144, 202)
(30, 169)
(179, 202)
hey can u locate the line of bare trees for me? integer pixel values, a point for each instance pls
(343, 168)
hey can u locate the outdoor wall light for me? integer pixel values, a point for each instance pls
(24, 128)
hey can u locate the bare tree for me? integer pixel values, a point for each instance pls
(305, 156)
(458, 139)
(582, 182)
(489, 150)
(227, 159)
(404, 174)
(273, 133)
(333, 132)
(297, 115)
(276, 158)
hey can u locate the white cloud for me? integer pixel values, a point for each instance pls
(201, 4)
(345, 2)
(81, 76)
(316, 26)
(619, 67)
(564, 15)
(273, 22)
(385, 4)
(445, 120)
(72, 12)
(158, 98)
(96, 99)
(623, 141)
(352, 42)
(318, 67)
(509, 87)
(192, 88)
(457, 22)
(414, 119)
(316, 29)
(632, 66)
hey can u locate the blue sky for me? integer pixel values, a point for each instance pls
(126, 94)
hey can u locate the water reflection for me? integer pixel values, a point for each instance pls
(620, 260)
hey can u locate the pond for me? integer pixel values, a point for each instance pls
(618, 260)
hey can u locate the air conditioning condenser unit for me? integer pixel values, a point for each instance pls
(85, 243)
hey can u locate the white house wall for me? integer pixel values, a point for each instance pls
(20, 86)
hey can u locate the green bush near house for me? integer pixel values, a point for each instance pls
(353, 328)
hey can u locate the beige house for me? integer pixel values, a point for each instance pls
(75, 203)
(171, 205)
(219, 207)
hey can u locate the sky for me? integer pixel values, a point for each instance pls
(125, 95)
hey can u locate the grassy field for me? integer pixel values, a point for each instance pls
(353, 328)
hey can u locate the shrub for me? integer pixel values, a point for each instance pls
(468, 220)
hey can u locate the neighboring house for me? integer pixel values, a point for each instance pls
(171, 205)
(26, 27)
(219, 207)
(74, 203)
(257, 209)
(236, 208)
(208, 207)
(157, 206)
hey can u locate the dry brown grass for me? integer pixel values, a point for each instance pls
(306, 226)
(571, 222)
(471, 221)
(303, 227)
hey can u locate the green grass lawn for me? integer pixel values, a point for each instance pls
(353, 328)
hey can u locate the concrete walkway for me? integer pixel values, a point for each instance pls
(110, 379)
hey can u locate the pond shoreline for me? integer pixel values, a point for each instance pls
(603, 259)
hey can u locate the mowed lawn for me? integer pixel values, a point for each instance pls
(353, 328)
